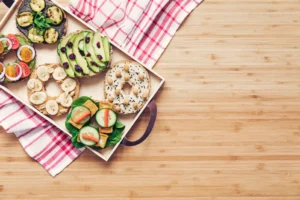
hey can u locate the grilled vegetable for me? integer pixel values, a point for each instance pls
(55, 14)
(25, 19)
(37, 5)
(36, 35)
(51, 36)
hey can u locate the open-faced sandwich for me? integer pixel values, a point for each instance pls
(84, 53)
(137, 77)
(43, 100)
(93, 124)
(25, 58)
(41, 21)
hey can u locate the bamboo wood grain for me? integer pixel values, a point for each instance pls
(228, 126)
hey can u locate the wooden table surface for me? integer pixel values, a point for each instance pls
(228, 125)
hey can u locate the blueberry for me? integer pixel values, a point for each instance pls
(70, 44)
(87, 39)
(66, 65)
(99, 57)
(63, 49)
(93, 63)
(98, 45)
(88, 54)
(78, 68)
(72, 56)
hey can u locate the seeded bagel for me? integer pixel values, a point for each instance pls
(137, 77)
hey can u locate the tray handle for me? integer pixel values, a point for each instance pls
(152, 107)
(8, 3)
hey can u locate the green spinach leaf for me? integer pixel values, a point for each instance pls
(73, 130)
(116, 136)
(76, 143)
(80, 101)
(119, 124)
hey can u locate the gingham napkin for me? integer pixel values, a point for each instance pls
(42, 141)
(142, 28)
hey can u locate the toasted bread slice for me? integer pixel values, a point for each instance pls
(104, 104)
(91, 106)
(78, 126)
(102, 141)
(107, 130)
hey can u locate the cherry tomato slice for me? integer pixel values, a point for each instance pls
(14, 40)
(25, 69)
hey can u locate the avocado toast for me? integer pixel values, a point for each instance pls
(84, 53)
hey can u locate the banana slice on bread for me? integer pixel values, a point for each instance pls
(43, 100)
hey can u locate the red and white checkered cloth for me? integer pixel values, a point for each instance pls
(45, 143)
(142, 28)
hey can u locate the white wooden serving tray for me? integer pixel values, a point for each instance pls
(93, 86)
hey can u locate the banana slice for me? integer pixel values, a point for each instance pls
(65, 100)
(38, 98)
(50, 69)
(43, 73)
(68, 85)
(52, 107)
(59, 98)
(34, 85)
(59, 74)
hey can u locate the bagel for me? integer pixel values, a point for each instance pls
(25, 61)
(47, 104)
(41, 21)
(84, 53)
(137, 77)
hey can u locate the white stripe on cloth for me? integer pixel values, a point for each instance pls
(42, 141)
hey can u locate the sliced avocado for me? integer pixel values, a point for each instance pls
(92, 73)
(98, 46)
(81, 45)
(80, 60)
(90, 55)
(107, 48)
(61, 50)
(94, 68)
(72, 57)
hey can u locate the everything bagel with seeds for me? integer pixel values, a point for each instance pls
(137, 77)
(49, 104)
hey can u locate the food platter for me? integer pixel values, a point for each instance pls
(94, 83)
